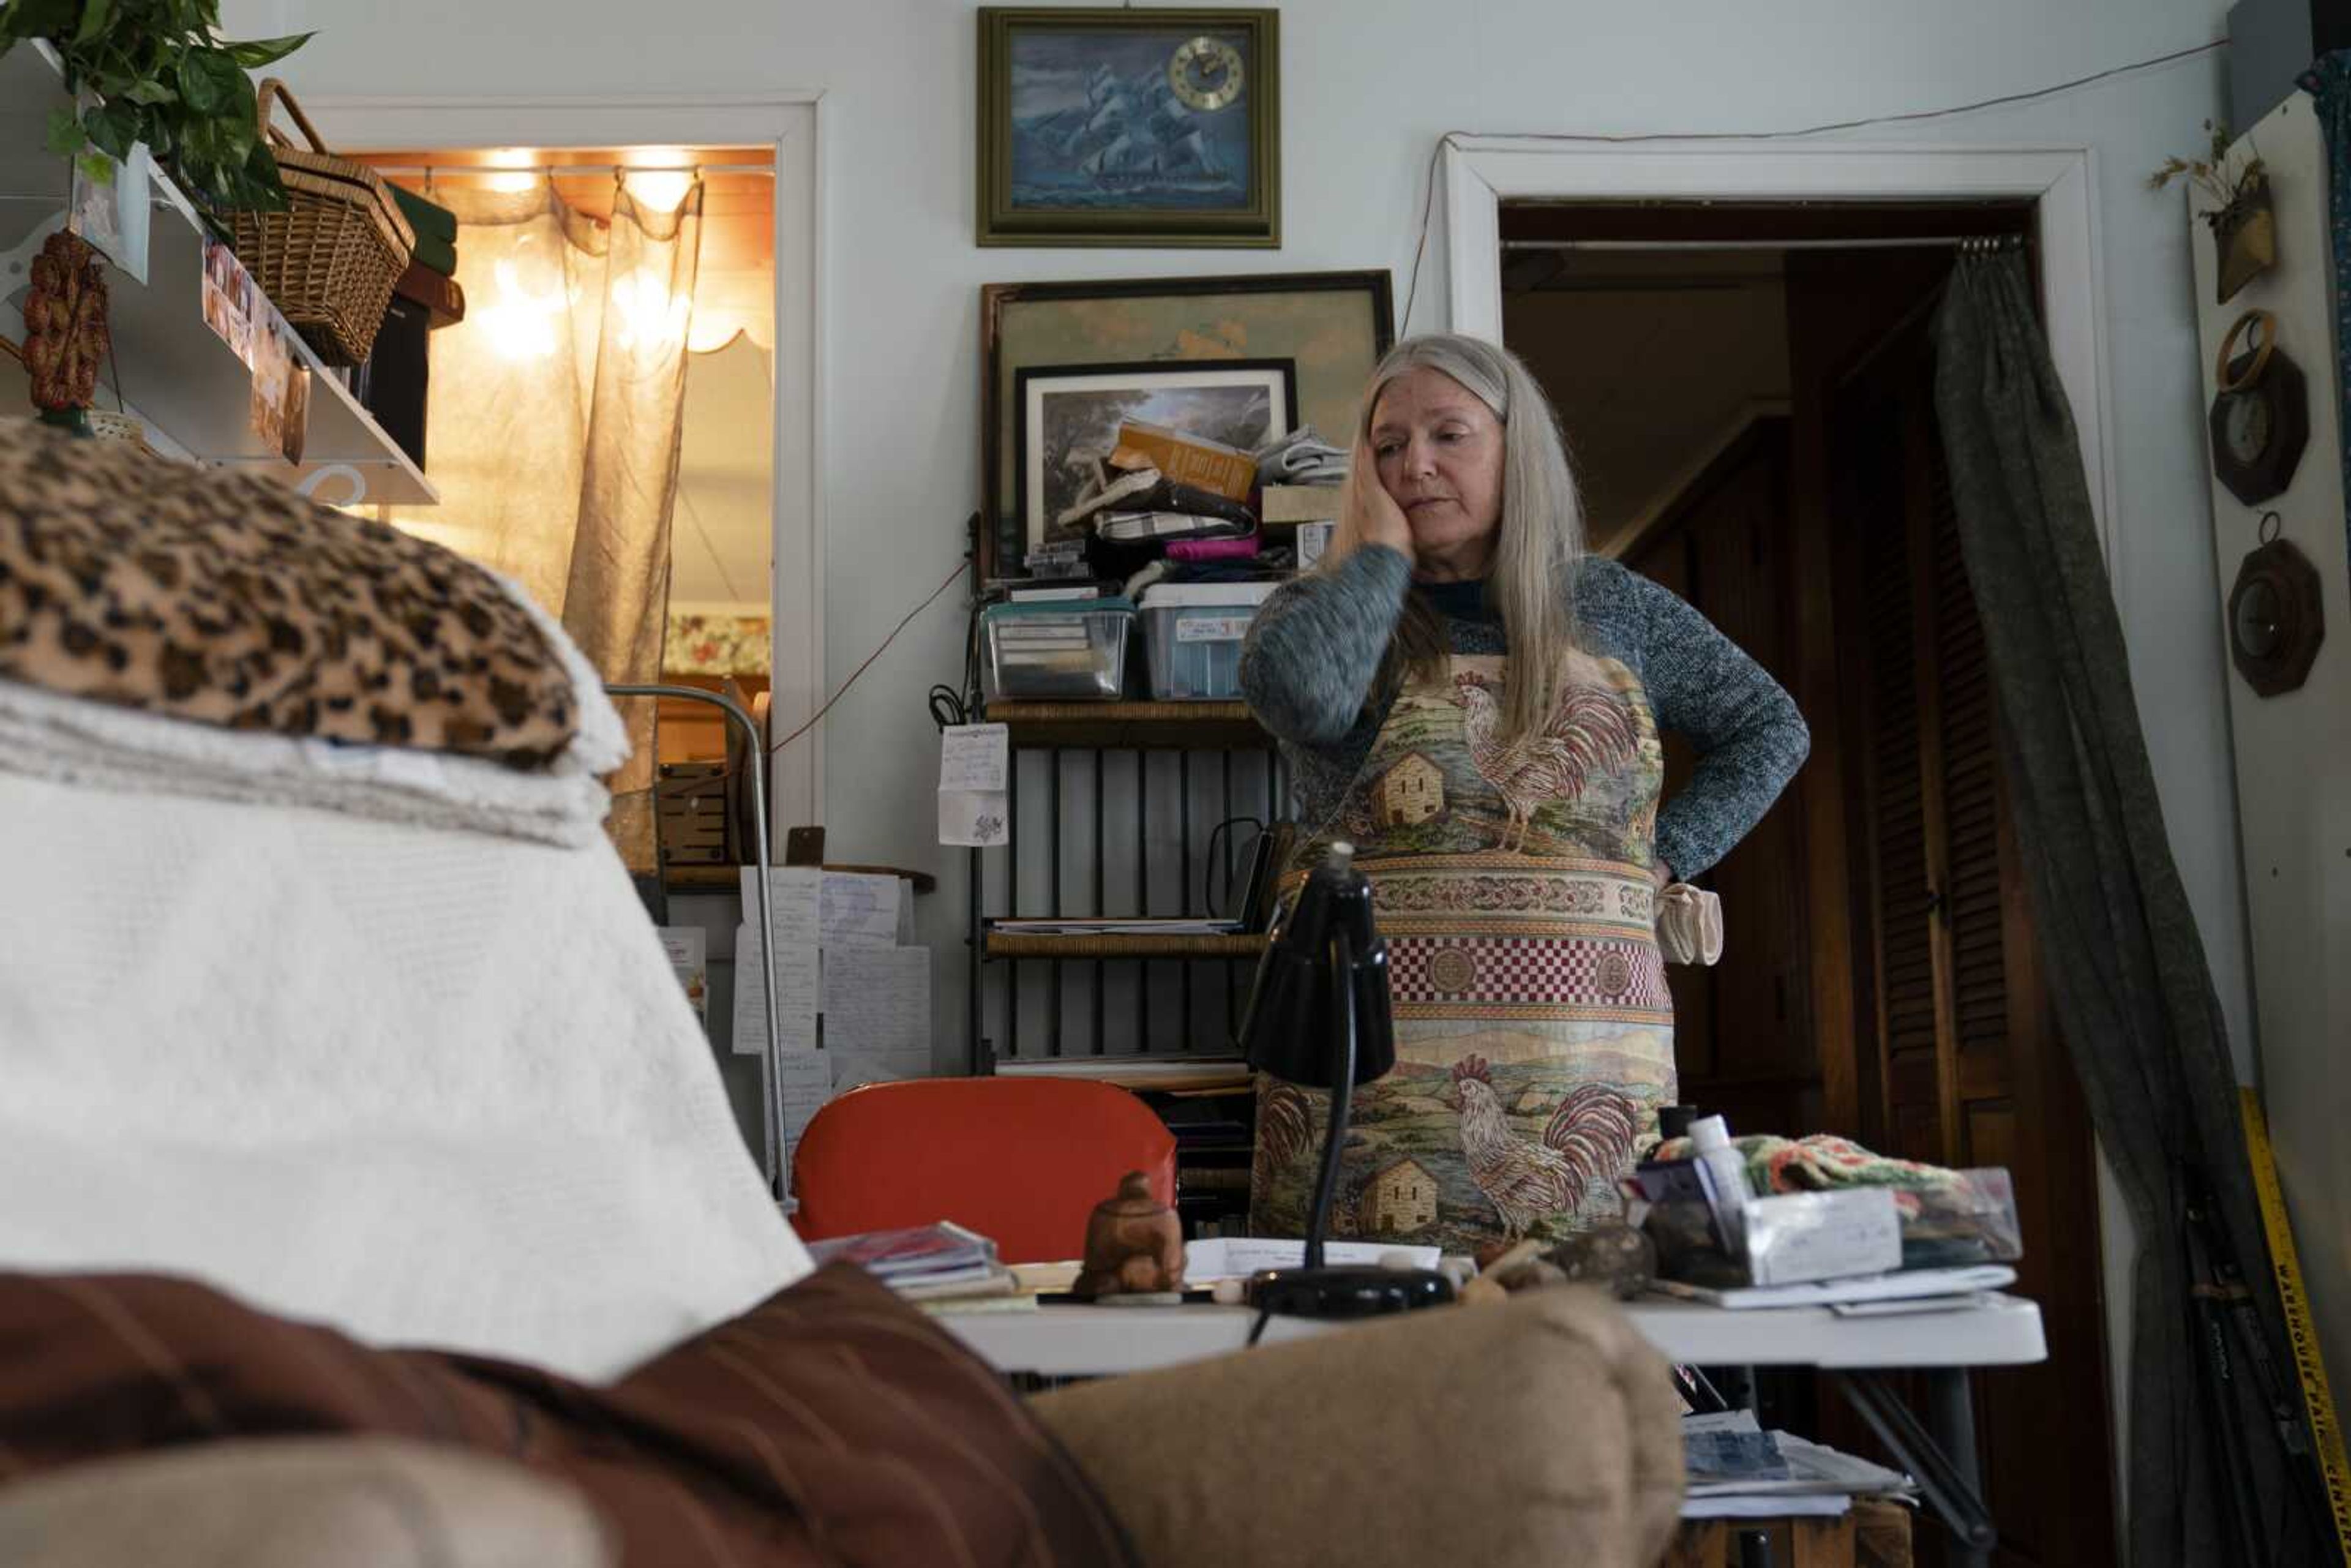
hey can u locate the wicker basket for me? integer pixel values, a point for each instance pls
(327, 261)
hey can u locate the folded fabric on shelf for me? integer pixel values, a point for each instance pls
(222, 597)
(1299, 458)
(171, 630)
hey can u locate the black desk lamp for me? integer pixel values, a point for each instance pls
(1319, 1016)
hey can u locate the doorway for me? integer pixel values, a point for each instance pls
(784, 129)
(1747, 389)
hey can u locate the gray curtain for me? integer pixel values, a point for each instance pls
(2126, 964)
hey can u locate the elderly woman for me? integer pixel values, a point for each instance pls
(1475, 704)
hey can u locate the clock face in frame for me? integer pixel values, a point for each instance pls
(1205, 73)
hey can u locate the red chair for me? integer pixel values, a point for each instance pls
(1021, 1160)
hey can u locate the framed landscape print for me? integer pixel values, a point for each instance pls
(1066, 419)
(1333, 328)
(1119, 127)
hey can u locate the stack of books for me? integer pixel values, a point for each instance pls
(1738, 1471)
(924, 1263)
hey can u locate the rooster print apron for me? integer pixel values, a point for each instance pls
(1534, 1032)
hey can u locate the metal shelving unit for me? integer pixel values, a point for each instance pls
(1117, 793)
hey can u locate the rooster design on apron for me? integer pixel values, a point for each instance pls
(1534, 1031)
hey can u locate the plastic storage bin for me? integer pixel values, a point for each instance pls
(1056, 649)
(1192, 634)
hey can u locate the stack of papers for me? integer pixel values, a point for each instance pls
(922, 1262)
(1932, 1290)
(1132, 926)
(1737, 1470)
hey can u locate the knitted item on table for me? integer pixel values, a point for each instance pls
(1822, 1161)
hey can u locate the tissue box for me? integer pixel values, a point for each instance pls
(1796, 1236)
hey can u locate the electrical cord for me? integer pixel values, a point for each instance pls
(682, 785)
(1450, 138)
(947, 582)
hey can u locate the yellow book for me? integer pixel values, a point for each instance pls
(1192, 460)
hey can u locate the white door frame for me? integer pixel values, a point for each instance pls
(792, 124)
(1483, 172)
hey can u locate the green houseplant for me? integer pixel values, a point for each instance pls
(156, 71)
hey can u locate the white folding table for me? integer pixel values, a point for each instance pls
(1940, 1346)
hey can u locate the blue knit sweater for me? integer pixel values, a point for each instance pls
(1314, 650)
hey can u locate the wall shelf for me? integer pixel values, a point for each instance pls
(175, 372)
(1016, 945)
(1131, 726)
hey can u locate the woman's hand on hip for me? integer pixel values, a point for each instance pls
(1372, 515)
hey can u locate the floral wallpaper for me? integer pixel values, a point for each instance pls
(702, 644)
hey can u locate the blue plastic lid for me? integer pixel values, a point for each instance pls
(1064, 608)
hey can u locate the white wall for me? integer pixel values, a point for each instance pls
(1368, 85)
(2294, 750)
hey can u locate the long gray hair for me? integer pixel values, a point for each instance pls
(1538, 546)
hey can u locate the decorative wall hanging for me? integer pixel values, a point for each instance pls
(2277, 615)
(2261, 418)
(2244, 229)
(66, 335)
(1333, 325)
(1130, 126)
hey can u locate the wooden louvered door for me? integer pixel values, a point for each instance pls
(1966, 1065)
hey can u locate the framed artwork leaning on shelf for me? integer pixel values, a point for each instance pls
(1333, 328)
(1067, 420)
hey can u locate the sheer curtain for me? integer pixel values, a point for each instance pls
(553, 431)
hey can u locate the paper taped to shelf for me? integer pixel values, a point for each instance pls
(974, 780)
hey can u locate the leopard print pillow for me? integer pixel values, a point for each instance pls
(224, 598)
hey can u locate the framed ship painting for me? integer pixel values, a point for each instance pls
(1158, 127)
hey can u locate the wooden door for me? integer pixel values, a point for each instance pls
(1966, 1062)
(1743, 1040)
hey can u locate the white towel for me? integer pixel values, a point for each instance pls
(1689, 924)
(433, 1088)
(74, 741)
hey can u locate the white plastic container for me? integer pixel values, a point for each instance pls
(1191, 637)
(1710, 1145)
(1072, 648)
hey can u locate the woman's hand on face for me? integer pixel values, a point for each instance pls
(1372, 514)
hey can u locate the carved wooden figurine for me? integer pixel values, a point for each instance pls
(1134, 1246)
(65, 324)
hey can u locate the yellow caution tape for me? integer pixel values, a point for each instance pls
(2318, 1401)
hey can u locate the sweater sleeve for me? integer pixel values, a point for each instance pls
(1315, 647)
(1749, 736)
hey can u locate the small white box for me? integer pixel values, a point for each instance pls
(1795, 1237)
(1313, 538)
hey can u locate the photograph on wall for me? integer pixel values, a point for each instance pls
(112, 212)
(1124, 126)
(1069, 417)
(229, 299)
(1333, 328)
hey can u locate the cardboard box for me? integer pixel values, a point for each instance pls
(1298, 504)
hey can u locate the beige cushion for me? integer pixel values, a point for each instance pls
(352, 1502)
(1541, 1432)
